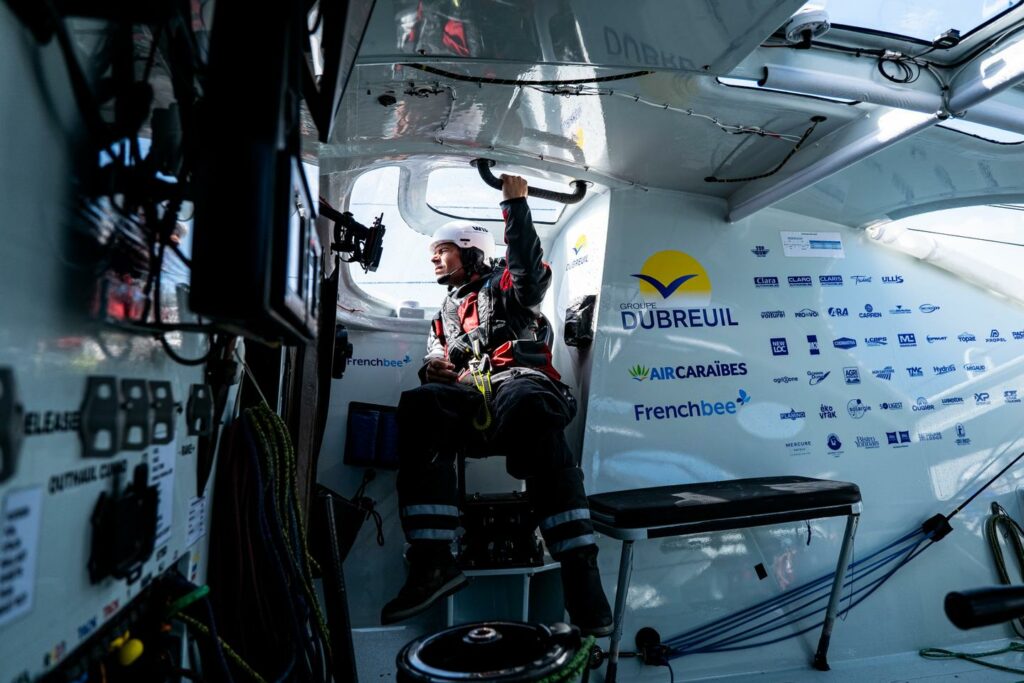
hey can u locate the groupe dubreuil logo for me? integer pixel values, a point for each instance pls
(671, 277)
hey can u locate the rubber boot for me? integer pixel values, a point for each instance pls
(432, 576)
(584, 595)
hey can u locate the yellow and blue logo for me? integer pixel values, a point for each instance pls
(581, 243)
(675, 274)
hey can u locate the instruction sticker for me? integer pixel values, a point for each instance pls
(19, 546)
(161, 475)
(812, 244)
(196, 520)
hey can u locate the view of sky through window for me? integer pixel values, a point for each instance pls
(922, 19)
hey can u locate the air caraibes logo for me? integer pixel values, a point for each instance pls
(639, 373)
(671, 277)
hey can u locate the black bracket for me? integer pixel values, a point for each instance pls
(124, 529)
(12, 424)
(100, 408)
(199, 411)
(162, 396)
(135, 429)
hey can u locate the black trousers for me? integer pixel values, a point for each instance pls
(529, 415)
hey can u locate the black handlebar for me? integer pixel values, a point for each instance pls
(483, 167)
(985, 606)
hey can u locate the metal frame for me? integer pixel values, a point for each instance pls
(628, 536)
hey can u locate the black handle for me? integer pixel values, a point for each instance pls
(483, 166)
(985, 606)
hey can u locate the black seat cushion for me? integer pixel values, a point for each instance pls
(719, 500)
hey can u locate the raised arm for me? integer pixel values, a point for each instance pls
(525, 271)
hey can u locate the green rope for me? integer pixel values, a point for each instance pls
(275, 444)
(575, 666)
(976, 657)
(186, 600)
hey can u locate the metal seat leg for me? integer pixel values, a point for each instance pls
(821, 656)
(625, 570)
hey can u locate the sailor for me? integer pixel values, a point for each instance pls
(488, 383)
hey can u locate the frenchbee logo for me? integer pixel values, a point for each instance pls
(674, 278)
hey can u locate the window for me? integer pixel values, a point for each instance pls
(918, 19)
(981, 131)
(405, 272)
(459, 193)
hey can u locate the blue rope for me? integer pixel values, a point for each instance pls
(858, 569)
(697, 640)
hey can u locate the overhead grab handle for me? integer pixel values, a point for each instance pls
(483, 166)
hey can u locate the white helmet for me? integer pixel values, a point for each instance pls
(464, 235)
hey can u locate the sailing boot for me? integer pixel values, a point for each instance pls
(584, 596)
(432, 575)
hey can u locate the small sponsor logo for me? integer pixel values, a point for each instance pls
(800, 281)
(922, 405)
(772, 315)
(994, 336)
(885, 373)
(812, 343)
(88, 627)
(953, 401)
(834, 444)
(944, 369)
(826, 412)
(876, 341)
(867, 442)
(785, 379)
(1010, 396)
(932, 339)
(844, 343)
(982, 398)
(961, 435)
(892, 279)
(857, 408)
(915, 371)
(766, 281)
(974, 367)
(760, 251)
(907, 339)
(899, 310)
(817, 377)
(779, 346)
(861, 279)
(851, 375)
(838, 312)
(928, 308)
(830, 280)
(898, 439)
(869, 312)
(806, 313)
(793, 415)
(929, 436)
(798, 447)
(1018, 334)
(891, 405)
(966, 337)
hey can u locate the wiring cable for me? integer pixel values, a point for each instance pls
(815, 120)
(1001, 521)
(491, 80)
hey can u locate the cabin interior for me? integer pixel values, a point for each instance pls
(784, 240)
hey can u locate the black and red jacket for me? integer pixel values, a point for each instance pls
(500, 311)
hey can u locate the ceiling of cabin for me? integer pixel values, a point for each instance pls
(671, 128)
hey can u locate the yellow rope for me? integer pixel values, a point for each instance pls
(234, 656)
